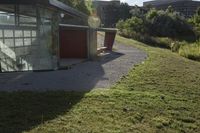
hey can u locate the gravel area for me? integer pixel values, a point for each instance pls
(103, 73)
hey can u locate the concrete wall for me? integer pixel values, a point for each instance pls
(92, 44)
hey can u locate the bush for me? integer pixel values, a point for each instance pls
(157, 23)
(195, 21)
(130, 26)
(167, 24)
(191, 51)
(175, 46)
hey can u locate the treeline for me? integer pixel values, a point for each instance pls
(164, 28)
(158, 23)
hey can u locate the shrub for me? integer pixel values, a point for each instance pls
(175, 45)
(195, 21)
(191, 51)
(166, 29)
(167, 24)
(131, 26)
(157, 23)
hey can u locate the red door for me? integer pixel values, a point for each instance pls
(73, 43)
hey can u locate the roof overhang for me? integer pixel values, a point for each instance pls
(49, 4)
(67, 9)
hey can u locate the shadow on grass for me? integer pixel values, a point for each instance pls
(22, 111)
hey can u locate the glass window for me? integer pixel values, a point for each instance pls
(8, 33)
(8, 52)
(27, 50)
(18, 33)
(27, 41)
(19, 51)
(27, 33)
(7, 16)
(9, 42)
(34, 41)
(27, 21)
(1, 34)
(2, 45)
(34, 33)
(27, 15)
(18, 42)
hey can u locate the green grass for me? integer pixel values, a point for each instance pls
(160, 95)
(191, 51)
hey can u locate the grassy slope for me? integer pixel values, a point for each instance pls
(160, 95)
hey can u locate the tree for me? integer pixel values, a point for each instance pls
(170, 9)
(79, 5)
(198, 11)
(157, 23)
(167, 24)
(131, 25)
(137, 12)
(124, 11)
(195, 20)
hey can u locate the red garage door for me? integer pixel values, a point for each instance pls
(73, 43)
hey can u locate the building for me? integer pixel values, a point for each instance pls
(107, 11)
(186, 7)
(34, 35)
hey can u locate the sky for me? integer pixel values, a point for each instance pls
(134, 2)
(138, 2)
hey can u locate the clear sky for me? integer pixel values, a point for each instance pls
(134, 2)
(138, 2)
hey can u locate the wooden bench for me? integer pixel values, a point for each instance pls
(101, 50)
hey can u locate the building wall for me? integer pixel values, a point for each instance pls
(186, 7)
(26, 38)
(160, 2)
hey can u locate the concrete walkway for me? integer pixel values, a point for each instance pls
(82, 77)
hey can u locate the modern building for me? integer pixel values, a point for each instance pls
(186, 7)
(107, 11)
(33, 35)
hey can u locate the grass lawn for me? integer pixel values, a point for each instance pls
(160, 95)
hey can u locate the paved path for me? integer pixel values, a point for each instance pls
(82, 77)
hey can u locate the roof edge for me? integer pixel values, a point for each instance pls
(69, 10)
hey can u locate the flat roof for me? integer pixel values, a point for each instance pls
(49, 4)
